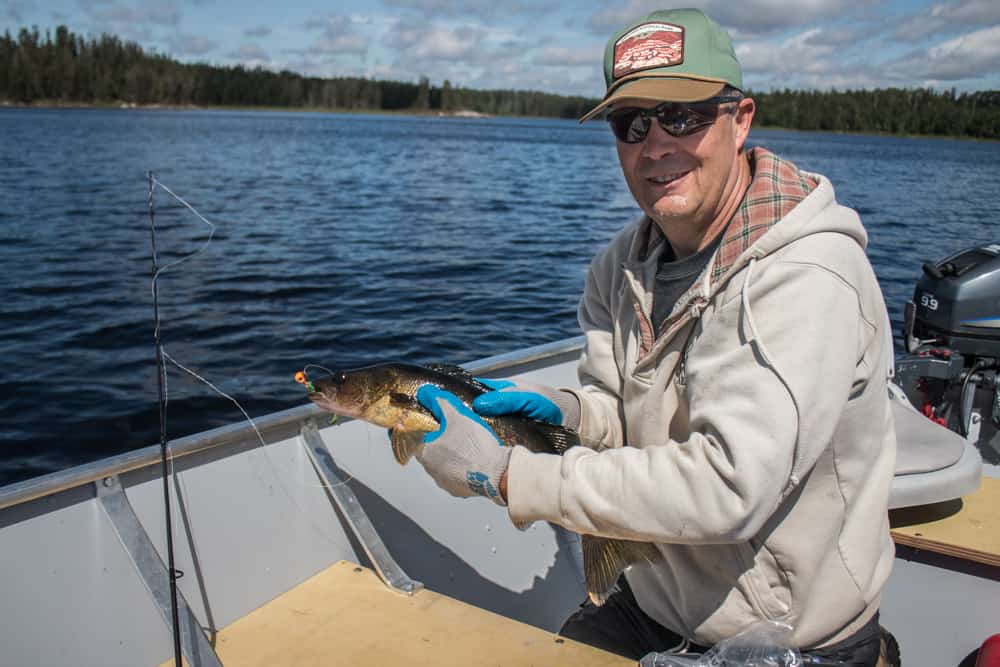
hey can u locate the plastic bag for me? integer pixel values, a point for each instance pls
(763, 644)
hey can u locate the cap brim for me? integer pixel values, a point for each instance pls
(659, 89)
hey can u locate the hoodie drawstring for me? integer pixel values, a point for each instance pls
(758, 343)
(754, 338)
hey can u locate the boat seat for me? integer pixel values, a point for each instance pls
(345, 615)
(933, 463)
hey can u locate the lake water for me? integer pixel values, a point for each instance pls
(343, 240)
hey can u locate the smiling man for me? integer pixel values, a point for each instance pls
(734, 399)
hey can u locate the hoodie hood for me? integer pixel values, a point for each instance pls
(779, 192)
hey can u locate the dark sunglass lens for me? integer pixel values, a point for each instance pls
(674, 120)
(637, 129)
(629, 125)
(684, 119)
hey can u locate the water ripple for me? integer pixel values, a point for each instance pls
(344, 240)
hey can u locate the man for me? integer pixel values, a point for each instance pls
(734, 397)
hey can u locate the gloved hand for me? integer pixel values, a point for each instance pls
(546, 404)
(464, 457)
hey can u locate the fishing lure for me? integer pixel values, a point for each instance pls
(301, 378)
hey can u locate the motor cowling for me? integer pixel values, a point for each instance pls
(956, 303)
(952, 338)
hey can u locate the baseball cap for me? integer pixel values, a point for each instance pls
(675, 55)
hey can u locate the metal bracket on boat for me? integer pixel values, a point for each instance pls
(194, 643)
(386, 566)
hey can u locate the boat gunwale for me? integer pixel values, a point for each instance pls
(56, 482)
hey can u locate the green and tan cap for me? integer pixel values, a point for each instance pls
(675, 55)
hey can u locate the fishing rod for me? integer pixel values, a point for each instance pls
(164, 457)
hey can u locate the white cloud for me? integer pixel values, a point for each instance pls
(165, 14)
(333, 44)
(949, 18)
(564, 57)
(440, 43)
(772, 16)
(190, 45)
(793, 55)
(484, 9)
(969, 56)
(459, 44)
(250, 54)
(810, 59)
(337, 36)
(749, 16)
(850, 37)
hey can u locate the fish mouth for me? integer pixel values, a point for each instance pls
(330, 404)
(321, 399)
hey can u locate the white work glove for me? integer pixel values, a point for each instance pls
(464, 457)
(547, 404)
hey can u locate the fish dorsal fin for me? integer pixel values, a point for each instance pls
(405, 444)
(604, 560)
(560, 438)
(454, 371)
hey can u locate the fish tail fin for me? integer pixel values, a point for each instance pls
(405, 444)
(605, 559)
(521, 525)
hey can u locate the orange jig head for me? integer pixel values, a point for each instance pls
(301, 378)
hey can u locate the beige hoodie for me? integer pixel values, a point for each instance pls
(760, 445)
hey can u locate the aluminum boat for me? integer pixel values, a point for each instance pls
(317, 548)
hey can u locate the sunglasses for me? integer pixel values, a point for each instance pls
(678, 119)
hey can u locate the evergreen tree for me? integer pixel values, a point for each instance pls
(63, 67)
(423, 100)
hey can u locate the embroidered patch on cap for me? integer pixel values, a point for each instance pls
(649, 45)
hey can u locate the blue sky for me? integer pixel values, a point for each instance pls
(548, 45)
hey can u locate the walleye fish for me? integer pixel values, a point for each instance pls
(385, 395)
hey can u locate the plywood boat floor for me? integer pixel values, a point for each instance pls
(346, 616)
(968, 528)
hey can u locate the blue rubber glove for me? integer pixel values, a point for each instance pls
(464, 457)
(546, 404)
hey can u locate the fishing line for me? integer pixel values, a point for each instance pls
(305, 369)
(163, 375)
(220, 393)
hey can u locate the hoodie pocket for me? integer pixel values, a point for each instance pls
(764, 583)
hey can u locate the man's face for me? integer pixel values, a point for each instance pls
(685, 183)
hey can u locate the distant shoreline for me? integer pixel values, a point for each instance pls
(132, 106)
(430, 113)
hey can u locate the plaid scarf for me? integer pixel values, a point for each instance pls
(776, 187)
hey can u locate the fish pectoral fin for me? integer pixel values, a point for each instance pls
(405, 444)
(558, 437)
(604, 560)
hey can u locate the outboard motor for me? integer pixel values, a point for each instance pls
(952, 337)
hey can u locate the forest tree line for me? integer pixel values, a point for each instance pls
(65, 68)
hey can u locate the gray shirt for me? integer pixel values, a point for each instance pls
(675, 276)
